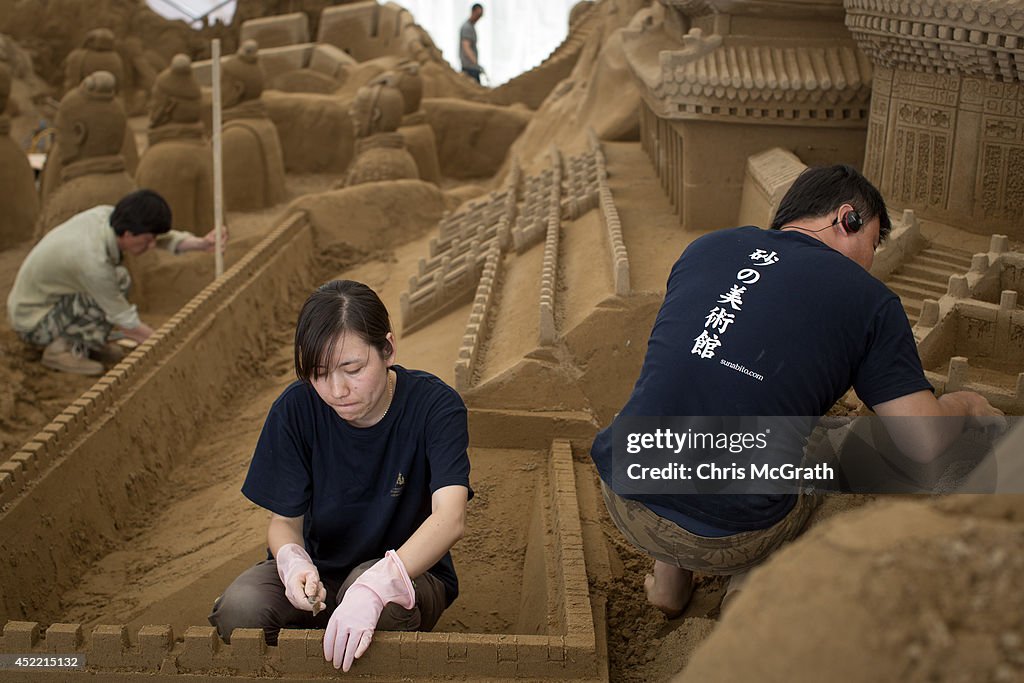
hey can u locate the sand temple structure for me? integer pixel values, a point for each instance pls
(528, 277)
(415, 130)
(380, 153)
(19, 206)
(90, 132)
(253, 162)
(179, 162)
(97, 53)
(723, 79)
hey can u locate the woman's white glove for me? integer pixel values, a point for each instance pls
(301, 580)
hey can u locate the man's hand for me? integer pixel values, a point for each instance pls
(923, 440)
(979, 412)
(137, 334)
(207, 242)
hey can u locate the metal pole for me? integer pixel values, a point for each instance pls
(218, 170)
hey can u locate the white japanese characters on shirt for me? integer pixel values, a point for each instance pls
(719, 317)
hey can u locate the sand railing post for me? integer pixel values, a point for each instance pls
(218, 169)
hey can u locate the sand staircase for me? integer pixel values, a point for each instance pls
(926, 276)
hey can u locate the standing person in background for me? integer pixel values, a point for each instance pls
(468, 54)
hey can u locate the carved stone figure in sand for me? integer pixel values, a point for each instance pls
(415, 130)
(380, 149)
(96, 54)
(178, 163)
(90, 129)
(253, 162)
(19, 206)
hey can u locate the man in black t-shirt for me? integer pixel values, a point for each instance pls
(773, 323)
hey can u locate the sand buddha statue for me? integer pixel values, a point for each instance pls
(96, 54)
(19, 205)
(253, 161)
(380, 150)
(415, 130)
(90, 130)
(178, 162)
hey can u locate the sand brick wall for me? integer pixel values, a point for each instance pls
(154, 650)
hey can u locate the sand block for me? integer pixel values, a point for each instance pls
(64, 638)
(280, 60)
(277, 31)
(769, 176)
(329, 60)
(350, 26)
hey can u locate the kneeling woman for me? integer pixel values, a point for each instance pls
(363, 466)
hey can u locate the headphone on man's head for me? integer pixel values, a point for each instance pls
(851, 222)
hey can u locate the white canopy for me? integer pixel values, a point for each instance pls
(192, 11)
(513, 35)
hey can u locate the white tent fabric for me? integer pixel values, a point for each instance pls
(190, 10)
(514, 35)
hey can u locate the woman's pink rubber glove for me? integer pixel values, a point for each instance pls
(351, 627)
(299, 575)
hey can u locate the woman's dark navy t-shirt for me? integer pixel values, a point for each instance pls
(362, 491)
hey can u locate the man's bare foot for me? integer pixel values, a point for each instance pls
(669, 588)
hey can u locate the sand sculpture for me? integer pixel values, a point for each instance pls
(178, 162)
(253, 162)
(945, 128)
(19, 206)
(380, 149)
(90, 131)
(530, 288)
(96, 54)
(721, 80)
(415, 129)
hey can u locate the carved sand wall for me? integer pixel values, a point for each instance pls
(946, 133)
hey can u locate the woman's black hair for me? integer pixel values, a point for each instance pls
(335, 308)
(141, 212)
(820, 190)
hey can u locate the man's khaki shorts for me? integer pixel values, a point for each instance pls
(668, 542)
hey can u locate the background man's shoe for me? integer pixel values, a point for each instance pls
(64, 356)
(111, 353)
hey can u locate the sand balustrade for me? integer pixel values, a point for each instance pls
(449, 275)
(547, 332)
(483, 303)
(611, 220)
